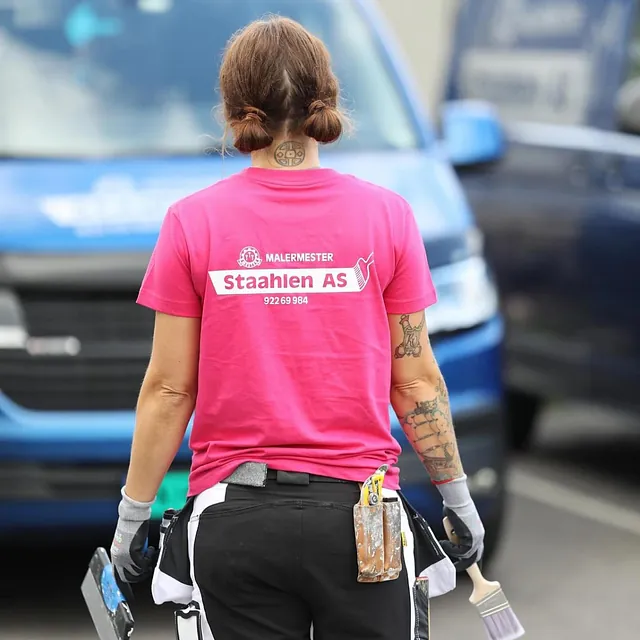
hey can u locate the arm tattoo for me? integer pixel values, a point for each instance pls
(429, 428)
(289, 154)
(410, 345)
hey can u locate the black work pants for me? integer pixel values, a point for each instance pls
(279, 563)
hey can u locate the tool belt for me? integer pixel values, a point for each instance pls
(379, 540)
(377, 521)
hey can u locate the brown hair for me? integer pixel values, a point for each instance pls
(276, 77)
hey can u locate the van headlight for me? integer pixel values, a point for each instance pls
(467, 296)
(13, 334)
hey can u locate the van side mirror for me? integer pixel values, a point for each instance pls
(628, 107)
(472, 133)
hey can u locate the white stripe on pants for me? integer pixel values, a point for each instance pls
(214, 495)
(409, 558)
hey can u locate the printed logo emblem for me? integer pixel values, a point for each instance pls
(249, 258)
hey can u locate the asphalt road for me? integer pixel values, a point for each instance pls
(570, 562)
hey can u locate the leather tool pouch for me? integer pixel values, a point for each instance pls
(378, 540)
(392, 533)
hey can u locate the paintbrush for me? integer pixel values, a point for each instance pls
(500, 621)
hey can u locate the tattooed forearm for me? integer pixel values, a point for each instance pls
(429, 428)
(410, 345)
(420, 399)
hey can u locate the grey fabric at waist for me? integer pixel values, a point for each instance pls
(256, 474)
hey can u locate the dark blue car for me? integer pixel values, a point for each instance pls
(561, 210)
(103, 110)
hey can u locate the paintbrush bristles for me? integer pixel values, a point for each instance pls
(499, 620)
(503, 625)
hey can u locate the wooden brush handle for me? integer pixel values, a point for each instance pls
(481, 586)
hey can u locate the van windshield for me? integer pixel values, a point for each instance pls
(108, 78)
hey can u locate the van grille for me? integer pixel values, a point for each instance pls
(115, 336)
(91, 317)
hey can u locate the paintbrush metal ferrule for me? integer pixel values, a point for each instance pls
(496, 592)
(491, 612)
(492, 603)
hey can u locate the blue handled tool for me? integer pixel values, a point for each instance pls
(105, 601)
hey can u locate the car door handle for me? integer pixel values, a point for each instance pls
(578, 175)
(613, 178)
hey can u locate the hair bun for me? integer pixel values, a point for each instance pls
(316, 106)
(250, 132)
(324, 123)
(251, 113)
(276, 81)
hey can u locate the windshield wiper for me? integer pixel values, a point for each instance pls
(146, 153)
(159, 153)
(21, 156)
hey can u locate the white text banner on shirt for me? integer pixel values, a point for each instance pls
(264, 281)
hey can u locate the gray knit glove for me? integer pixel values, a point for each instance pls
(465, 520)
(132, 559)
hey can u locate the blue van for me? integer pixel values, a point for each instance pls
(101, 127)
(561, 211)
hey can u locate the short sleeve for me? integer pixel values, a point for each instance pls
(411, 288)
(167, 286)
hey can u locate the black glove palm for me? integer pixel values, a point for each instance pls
(466, 550)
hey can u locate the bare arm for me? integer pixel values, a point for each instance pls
(420, 399)
(165, 405)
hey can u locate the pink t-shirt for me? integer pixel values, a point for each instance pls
(293, 274)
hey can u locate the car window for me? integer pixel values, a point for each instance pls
(533, 59)
(628, 97)
(116, 77)
(634, 53)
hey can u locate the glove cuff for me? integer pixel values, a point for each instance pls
(130, 509)
(455, 494)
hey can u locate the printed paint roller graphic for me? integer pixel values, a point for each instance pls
(362, 271)
(290, 281)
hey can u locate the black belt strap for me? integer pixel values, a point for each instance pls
(256, 474)
(295, 477)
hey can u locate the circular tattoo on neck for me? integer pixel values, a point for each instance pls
(290, 154)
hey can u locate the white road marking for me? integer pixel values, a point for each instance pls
(559, 496)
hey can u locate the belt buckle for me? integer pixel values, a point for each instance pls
(291, 477)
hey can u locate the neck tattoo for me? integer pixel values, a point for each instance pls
(289, 154)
